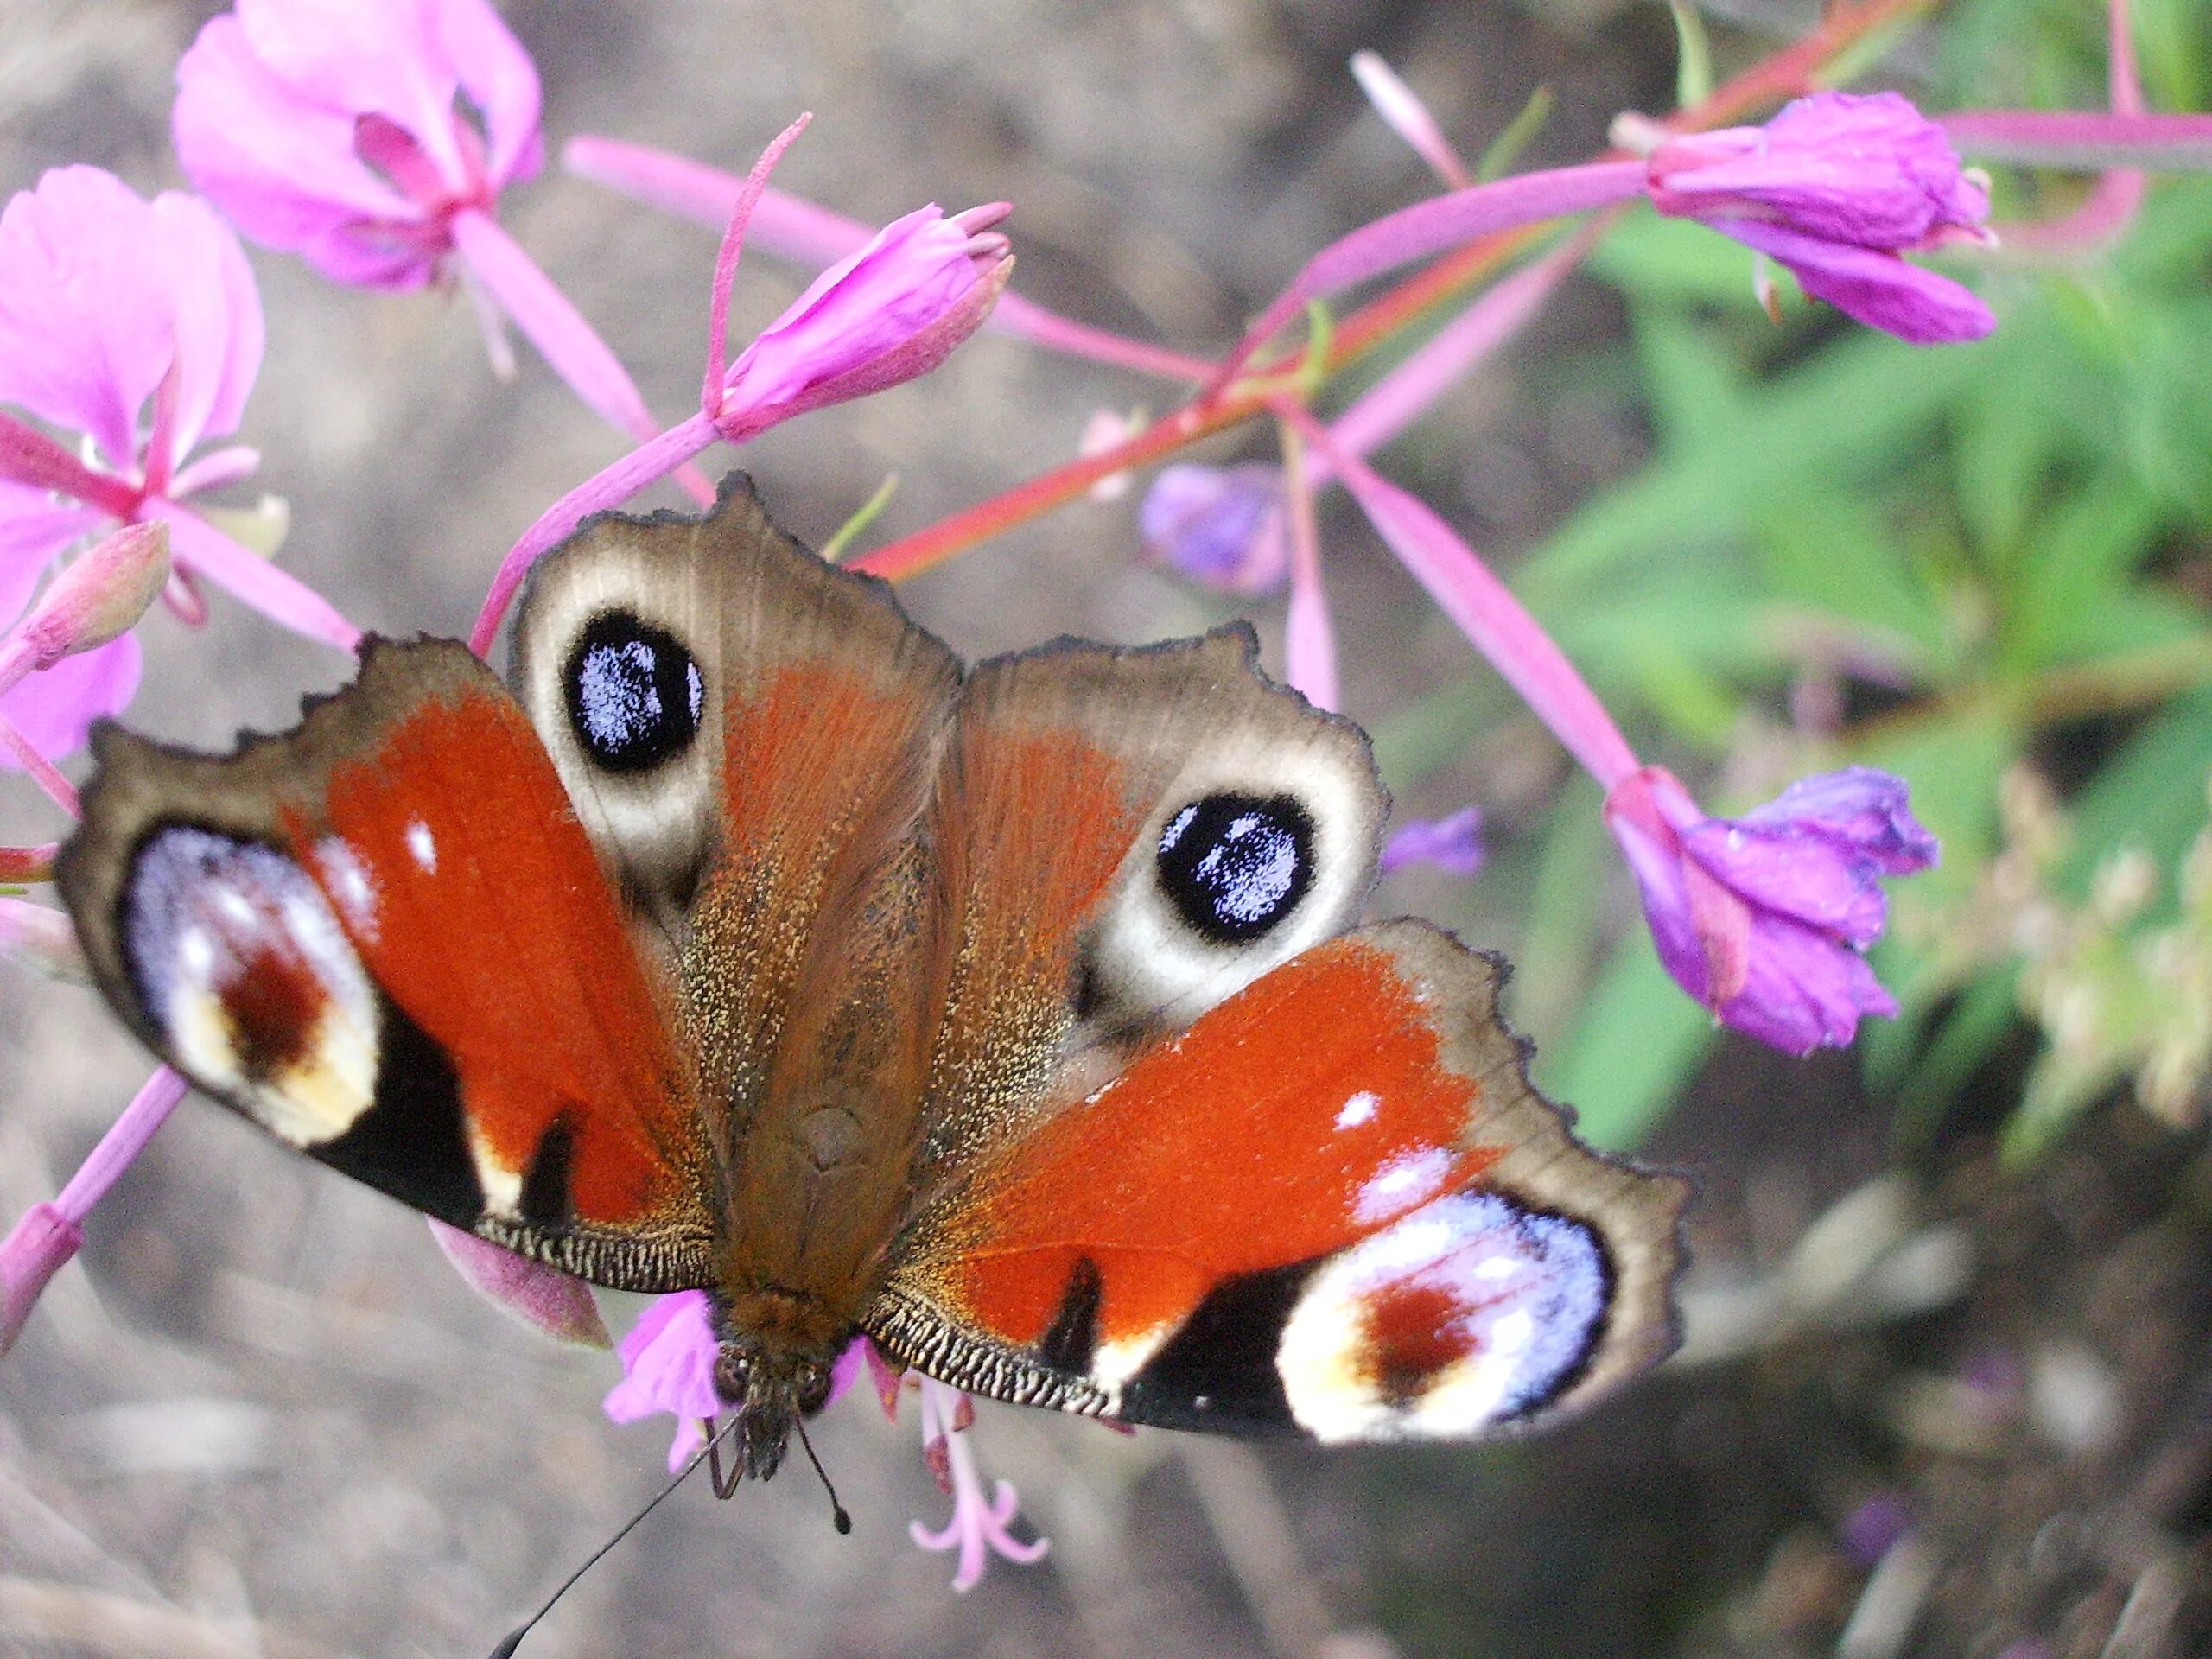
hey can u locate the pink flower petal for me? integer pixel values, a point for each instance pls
(668, 1364)
(500, 80)
(57, 706)
(198, 546)
(218, 312)
(1871, 171)
(1453, 844)
(1878, 289)
(282, 165)
(87, 328)
(34, 530)
(387, 58)
(546, 1300)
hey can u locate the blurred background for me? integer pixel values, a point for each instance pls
(1947, 1387)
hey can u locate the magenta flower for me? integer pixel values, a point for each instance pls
(1762, 918)
(136, 325)
(668, 1364)
(884, 314)
(1835, 188)
(374, 140)
(328, 128)
(1223, 526)
(979, 1524)
(1453, 844)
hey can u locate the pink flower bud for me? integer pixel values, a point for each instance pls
(99, 596)
(544, 1298)
(885, 315)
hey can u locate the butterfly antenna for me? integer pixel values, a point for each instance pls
(838, 1517)
(506, 1650)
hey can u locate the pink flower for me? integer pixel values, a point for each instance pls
(374, 140)
(1453, 844)
(1763, 917)
(1835, 188)
(979, 1524)
(888, 313)
(1223, 526)
(136, 325)
(328, 128)
(668, 1364)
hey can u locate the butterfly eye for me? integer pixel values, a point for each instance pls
(635, 695)
(1234, 865)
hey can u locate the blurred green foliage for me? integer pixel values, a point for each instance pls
(1979, 567)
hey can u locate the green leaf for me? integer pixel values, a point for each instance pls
(1827, 550)
(2150, 795)
(1638, 1042)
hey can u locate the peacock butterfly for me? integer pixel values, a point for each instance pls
(1019, 1017)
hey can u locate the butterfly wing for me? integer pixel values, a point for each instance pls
(384, 938)
(1200, 1158)
(1332, 1206)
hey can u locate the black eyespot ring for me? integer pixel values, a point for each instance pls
(1234, 865)
(635, 695)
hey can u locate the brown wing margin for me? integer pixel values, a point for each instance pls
(384, 938)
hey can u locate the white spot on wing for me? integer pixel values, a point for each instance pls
(349, 885)
(1407, 1180)
(1359, 1109)
(423, 846)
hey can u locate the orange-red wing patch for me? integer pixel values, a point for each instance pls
(452, 859)
(1308, 1111)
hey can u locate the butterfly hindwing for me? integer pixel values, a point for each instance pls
(1332, 1206)
(384, 938)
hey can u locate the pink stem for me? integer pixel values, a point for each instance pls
(712, 392)
(2084, 140)
(559, 331)
(1432, 226)
(148, 1110)
(1309, 642)
(610, 488)
(2110, 208)
(1485, 610)
(63, 793)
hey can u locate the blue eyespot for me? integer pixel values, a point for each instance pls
(1234, 865)
(635, 695)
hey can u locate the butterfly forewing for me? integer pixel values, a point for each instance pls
(384, 937)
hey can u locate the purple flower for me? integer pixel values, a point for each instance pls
(1835, 188)
(888, 312)
(1224, 526)
(1453, 844)
(668, 1364)
(329, 128)
(136, 325)
(979, 1524)
(1763, 917)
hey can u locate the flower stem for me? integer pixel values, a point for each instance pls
(125, 1139)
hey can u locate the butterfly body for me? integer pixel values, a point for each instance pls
(1018, 1018)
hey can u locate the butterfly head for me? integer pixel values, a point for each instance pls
(773, 1369)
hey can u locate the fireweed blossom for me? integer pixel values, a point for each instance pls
(1762, 918)
(133, 327)
(374, 140)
